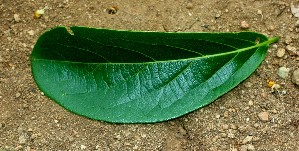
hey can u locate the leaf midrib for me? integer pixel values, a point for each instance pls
(189, 59)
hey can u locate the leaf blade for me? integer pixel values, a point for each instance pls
(143, 91)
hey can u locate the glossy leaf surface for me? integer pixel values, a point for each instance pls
(142, 77)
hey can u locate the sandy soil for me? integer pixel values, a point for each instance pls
(249, 117)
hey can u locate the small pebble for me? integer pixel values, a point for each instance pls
(283, 92)
(247, 139)
(217, 15)
(234, 149)
(295, 77)
(31, 32)
(280, 52)
(255, 139)
(230, 134)
(17, 17)
(19, 147)
(264, 116)
(271, 28)
(217, 116)
(223, 135)
(83, 147)
(283, 72)
(256, 125)
(250, 147)
(22, 140)
(248, 84)
(189, 5)
(288, 39)
(297, 23)
(250, 103)
(135, 147)
(244, 25)
(234, 127)
(243, 148)
(226, 114)
(225, 127)
(292, 50)
(18, 94)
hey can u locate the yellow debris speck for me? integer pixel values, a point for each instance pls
(38, 13)
(271, 83)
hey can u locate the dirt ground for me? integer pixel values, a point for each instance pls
(249, 117)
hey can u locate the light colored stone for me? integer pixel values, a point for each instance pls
(223, 135)
(17, 17)
(18, 94)
(31, 32)
(243, 148)
(244, 25)
(250, 147)
(247, 139)
(83, 147)
(189, 5)
(225, 127)
(22, 140)
(271, 28)
(19, 147)
(292, 50)
(280, 52)
(234, 149)
(230, 134)
(248, 84)
(283, 72)
(294, 10)
(234, 127)
(295, 77)
(288, 39)
(264, 116)
(297, 23)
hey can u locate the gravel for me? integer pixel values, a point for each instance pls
(295, 77)
(244, 25)
(280, 52)
(283, 72)
(264, 116)
(247, 139)
(22, 140)
(17, 17)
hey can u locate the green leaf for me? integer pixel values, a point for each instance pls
(142, 77)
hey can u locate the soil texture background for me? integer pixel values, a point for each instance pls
(250, 117)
